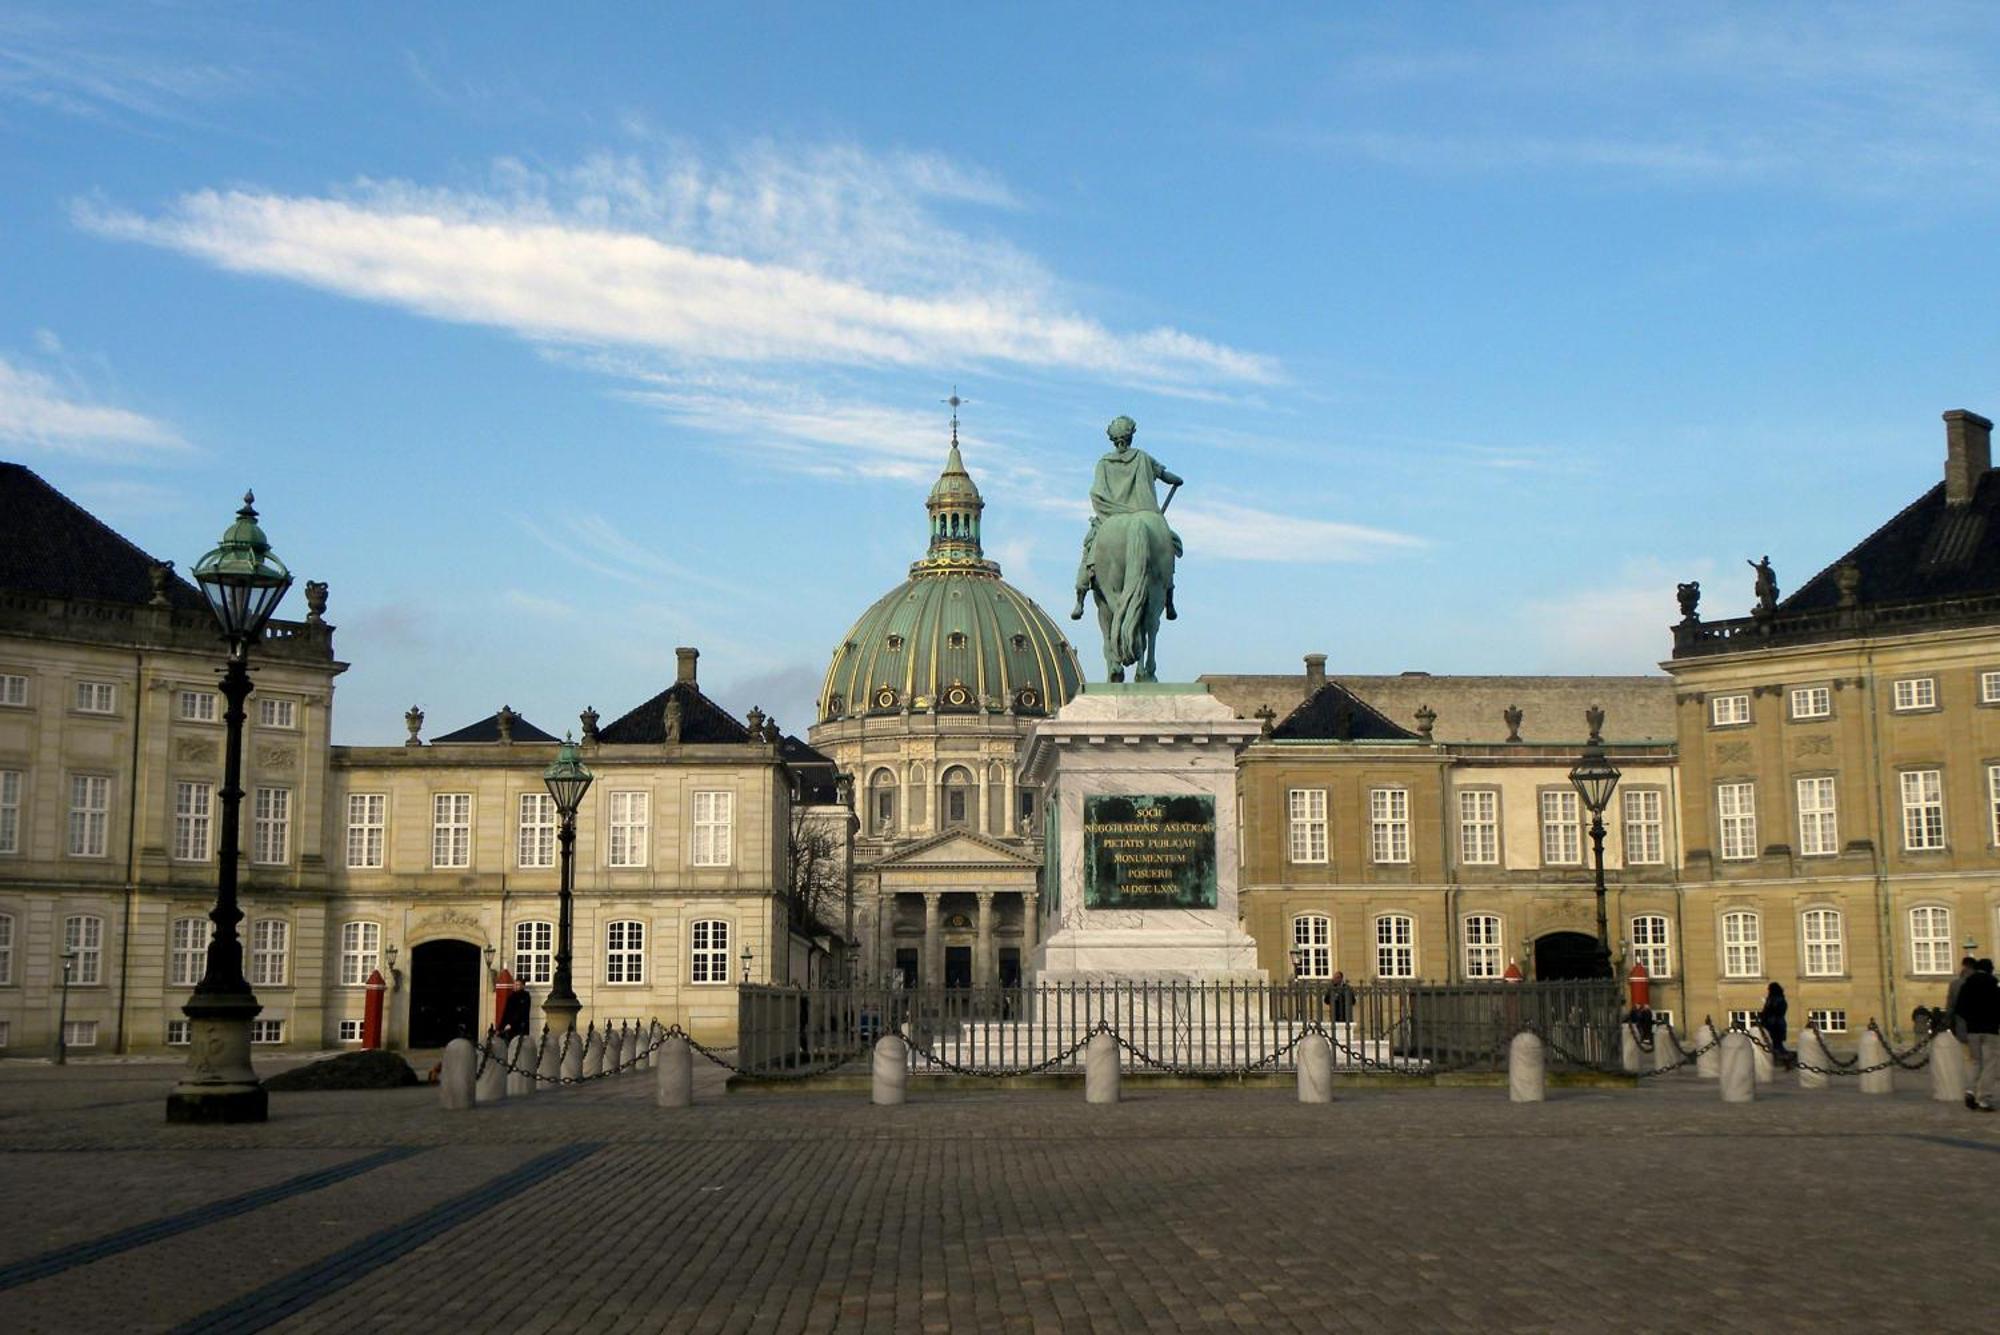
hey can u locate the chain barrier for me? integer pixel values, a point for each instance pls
(625, 1060)
(1003, 1072)
(1687, 1058)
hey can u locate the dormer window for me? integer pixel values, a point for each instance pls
(895, 643)
(955, 640)
(1020, 643)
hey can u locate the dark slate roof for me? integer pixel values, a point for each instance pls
(702, 720)
(488, 730)
(817, 776)
(1931, 550)
(1334, 713)
(57, 548)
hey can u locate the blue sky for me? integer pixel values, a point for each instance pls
(554, 337)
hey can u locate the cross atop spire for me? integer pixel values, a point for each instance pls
(954, 401)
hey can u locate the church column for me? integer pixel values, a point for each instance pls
(930, 971)
(1031, 925)
(985, 812)
(986, 964)
(1011, 819)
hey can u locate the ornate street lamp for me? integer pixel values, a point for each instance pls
(243, 583)
(1595, 777)
(746, 963)
(567, 781)
(62, 1014)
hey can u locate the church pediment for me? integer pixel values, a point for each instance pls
(957, 848)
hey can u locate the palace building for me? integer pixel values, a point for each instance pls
(1810, 794)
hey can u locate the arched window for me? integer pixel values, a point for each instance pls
(1930, 939)
(996, 799)
(881, 802)
(360, 950)
(534, 952)
(625, 951)
(1742, 945)
(708, 953)
(270, 953)
(917, 791)
(956, 799)
(1482, 945)
(1651, 946)
(1395, 946)
(1312, 945)
(1825, 954)
(188, 944)
(83, 937)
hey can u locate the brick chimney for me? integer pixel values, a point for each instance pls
(1968, 453)
(687, 659)
(1315, 673)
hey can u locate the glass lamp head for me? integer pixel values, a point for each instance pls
(241, 579)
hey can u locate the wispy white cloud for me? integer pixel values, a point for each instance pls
(829, 259)
(39, 415)
(1235, 532)
(593, 542)
(1619, 624)
(537, 605)
(88, 69)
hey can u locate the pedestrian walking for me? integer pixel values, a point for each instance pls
(1966, 968)
(515, 1019)
(1772, 1020)
(1978, 1008)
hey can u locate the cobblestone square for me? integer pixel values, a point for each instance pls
(591, 1209)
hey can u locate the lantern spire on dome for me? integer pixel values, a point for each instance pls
(955, 506)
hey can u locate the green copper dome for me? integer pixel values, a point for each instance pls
(954, 637)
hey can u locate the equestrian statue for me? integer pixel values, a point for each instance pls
(1128, 554)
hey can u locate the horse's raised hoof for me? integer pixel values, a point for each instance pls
(1173, 615)
(1117, 674)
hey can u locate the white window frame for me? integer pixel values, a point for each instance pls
(1389, 826)
(1822, 942)
(13, 690)
(1652, 942)
(1305, 828)
(708, 951)
(187, 950)
(1560, 812)
(79, 1033)
(1643, 826)
(629, 823)
(624, 952)
(267, 1031)
(275, 712)
(713, 844)
(6, 949)
(451, 831)
(1312, 945)
(1729, 711)
(1742, 941)
(534, 951)
(360, 951)
(1931, 951)
(12, 781)
(1828, 1019)
(1395, 945)
(89, 815)
(347, 1031)
(1989, 688)
(1479, 827)
(535, 834)
(1912, 694)
(96, 697)
(1819, 816)
(1809, 703)
(1736, 820)
(194, 823)
(179, 1033)
(1922, 792)
(271, 826)
(367, 830)
(1484, 936)
(195, 706)
(270, 953)
(83, 936)
(1993, 804)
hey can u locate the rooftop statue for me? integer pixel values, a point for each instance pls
(1128, 554)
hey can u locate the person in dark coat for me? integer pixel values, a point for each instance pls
(1340, 997)
(519, 1013)
(1978, 1008)
(1772, 1020)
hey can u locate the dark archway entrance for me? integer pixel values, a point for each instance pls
(445, 988)
(1560, 956)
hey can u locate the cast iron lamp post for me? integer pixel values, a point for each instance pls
(243, 583)
(567, 781)
(1595, 777)
(62, 1011)
(746, 964)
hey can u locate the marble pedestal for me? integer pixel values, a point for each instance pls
(1145, 740)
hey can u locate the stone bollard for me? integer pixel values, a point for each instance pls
(1761, 1061)
(614, 1049)
(674, 1085)
(1950, 1081)
(643, 1039)
(572, 1056)
(1100, 1068)
(491, 1087)
(1739, 1068)
(1315, 1069)
(549, 1068)
(1875, 1052)
(461, 1059)
(1527, 1069)
(1629, 1050)
(1667, 1050)
(1709, 1064)
(892, 1071)
(1812, 1052)
(593, 1052)
(521, 1057)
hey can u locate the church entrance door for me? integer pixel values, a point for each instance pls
(1564, 956)
(958, 966)
(445, 989)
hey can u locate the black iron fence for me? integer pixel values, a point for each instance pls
(1217, 1028)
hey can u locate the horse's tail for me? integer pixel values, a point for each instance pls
(1128, 619)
